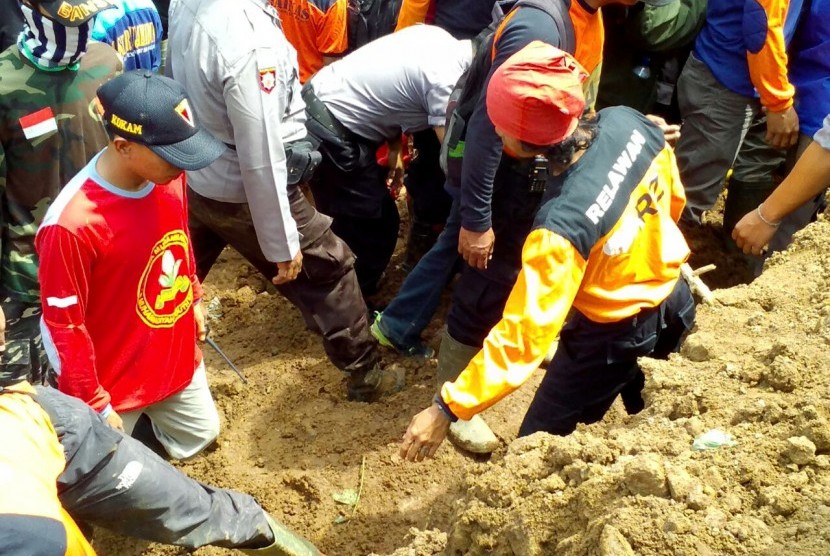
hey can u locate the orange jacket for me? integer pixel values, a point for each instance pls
(768, 66)
(316, 28)
(743, 45)
(412, 12)
(605, 242)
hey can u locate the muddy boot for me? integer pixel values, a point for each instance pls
(373, 384)
(422, 236)
(286, 543)
(473, 435)
(743, 197)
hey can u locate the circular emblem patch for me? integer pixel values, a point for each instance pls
(164, 292)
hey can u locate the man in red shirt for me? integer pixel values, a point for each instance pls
(118, 279)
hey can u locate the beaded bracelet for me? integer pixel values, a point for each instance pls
(764, 220)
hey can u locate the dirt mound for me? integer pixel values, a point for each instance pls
(291, 439)
(756, 368)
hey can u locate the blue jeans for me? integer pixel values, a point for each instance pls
(410, 311)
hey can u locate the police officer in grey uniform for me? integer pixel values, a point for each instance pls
(397, 83)
(241, 76)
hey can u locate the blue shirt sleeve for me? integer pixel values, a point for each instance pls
(155, 55)
(483, 148)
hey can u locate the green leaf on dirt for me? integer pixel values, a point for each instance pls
(340, 520)
(348, 497)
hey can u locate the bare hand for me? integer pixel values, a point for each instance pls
(425, 433)
(752, 234)
(289, 270)
(476, 247)
(201, 322)
(670, 131)
(114, 420)
(782, 128)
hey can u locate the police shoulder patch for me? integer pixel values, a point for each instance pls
(268, 79)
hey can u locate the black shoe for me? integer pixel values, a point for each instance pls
(144, 433)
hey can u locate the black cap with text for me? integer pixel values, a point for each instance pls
(73, 13)
(153, 110)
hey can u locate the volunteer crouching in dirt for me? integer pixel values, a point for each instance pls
(48, 132)
(604, 246)
(495, 195)
(120, 296)
(400, 82)
(241, 75)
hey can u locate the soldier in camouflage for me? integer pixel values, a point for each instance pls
(49, 130)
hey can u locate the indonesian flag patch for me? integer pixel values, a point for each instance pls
(268, 79)
(183, 110)
(39, 123)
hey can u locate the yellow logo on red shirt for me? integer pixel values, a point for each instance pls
(163, 294)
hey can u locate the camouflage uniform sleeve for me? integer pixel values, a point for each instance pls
(2, 190)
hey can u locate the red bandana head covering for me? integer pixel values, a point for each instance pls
(536, 95)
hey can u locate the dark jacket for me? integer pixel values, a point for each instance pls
(11, 23)
(656, 38)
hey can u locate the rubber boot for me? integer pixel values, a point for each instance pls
(373, 384)
(743, 197)
(286, 543)
(473, 435)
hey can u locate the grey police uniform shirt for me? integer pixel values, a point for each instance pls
(241, 76)
(399, 82)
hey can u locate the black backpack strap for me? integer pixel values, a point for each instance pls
(559, 11)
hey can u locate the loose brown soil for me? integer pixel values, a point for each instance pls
(756, 368)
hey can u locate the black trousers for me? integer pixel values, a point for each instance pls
(596, 362)
(425, 181)
(114, 481)
(364, 214)
(479, 296)
(326, 291)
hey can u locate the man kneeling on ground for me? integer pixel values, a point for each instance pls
(120, 296)
(604, 247)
